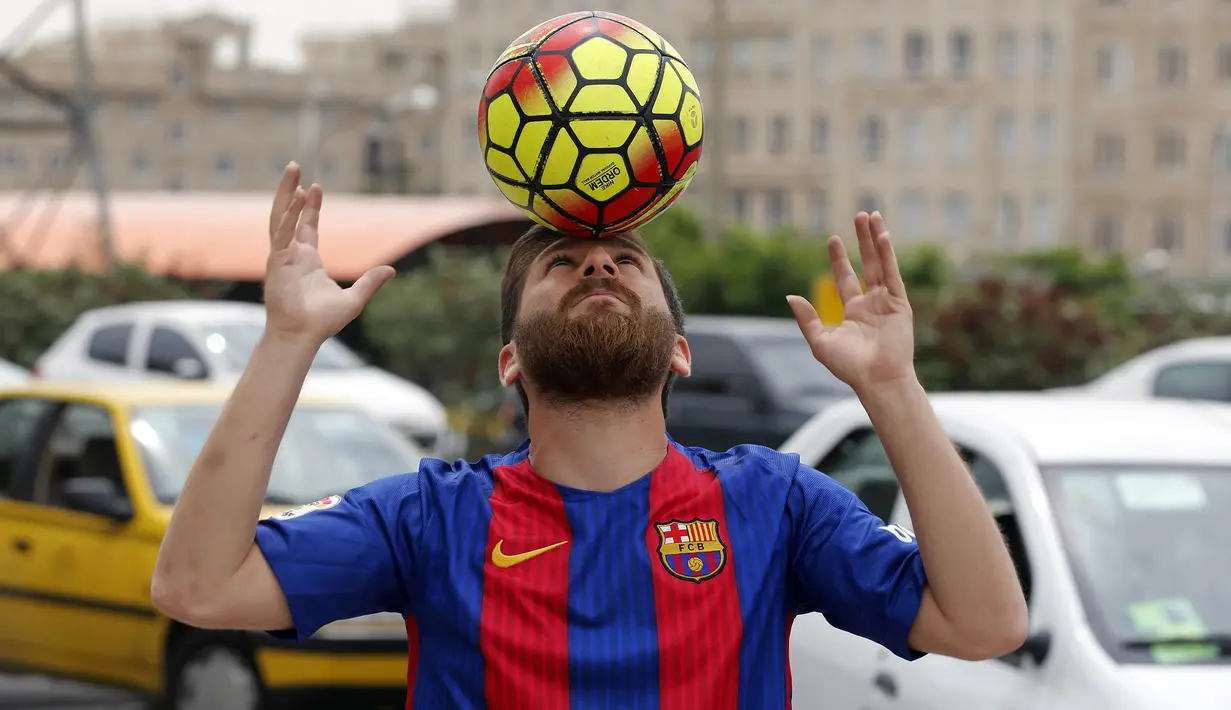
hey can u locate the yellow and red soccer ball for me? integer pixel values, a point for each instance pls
(591, 124)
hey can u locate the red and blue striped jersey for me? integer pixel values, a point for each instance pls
(676, 591)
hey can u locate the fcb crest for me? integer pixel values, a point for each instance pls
(691, 550)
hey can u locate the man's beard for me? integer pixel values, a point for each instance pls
(606, 356)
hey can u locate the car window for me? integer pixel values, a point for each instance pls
(719, 367)
(168, 347)
(18, 418)
(1195, 380)
(81, 445)
(109, 344)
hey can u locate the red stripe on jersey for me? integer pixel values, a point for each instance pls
(699, 624)
(412, 659)
(790, 620)
(523, 632)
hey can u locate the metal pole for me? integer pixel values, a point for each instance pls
(90, 148)
(716, 141)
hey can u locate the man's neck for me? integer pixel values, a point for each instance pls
(597, 448)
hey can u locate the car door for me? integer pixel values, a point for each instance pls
(86, 603)
(720, 405)
(940, 682)
(23, 423)
(831, 668)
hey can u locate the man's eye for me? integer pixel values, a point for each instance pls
(556, 261)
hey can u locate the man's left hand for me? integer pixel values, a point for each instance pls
(875, 344)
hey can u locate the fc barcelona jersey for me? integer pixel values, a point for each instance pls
(676, 591)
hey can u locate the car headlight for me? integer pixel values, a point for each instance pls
(374, 626)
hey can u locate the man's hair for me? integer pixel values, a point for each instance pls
(529, 247)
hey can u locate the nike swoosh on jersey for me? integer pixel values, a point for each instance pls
(504, 561)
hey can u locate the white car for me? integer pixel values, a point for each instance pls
(1197, 368)
(213, 340)
(1116, 513)
(12, 373)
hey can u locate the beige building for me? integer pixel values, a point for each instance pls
(979, 125)
(182, 108)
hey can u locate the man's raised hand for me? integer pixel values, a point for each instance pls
(302, 302)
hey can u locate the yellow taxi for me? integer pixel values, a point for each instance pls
(89, 474)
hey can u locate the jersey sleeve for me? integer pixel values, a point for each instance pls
(864, 576)
(346, 556)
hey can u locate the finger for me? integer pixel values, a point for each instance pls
(809, 322)
(368, 284)
(290, 220)
(283, 196)
(844, 275)
(867, 249)
(308, 231)
(889, 266)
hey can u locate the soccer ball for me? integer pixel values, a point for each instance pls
(591, 124)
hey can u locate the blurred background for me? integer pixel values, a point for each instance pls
(1056, 174)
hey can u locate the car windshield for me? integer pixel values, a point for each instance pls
(235, 340)
(792, 369)
(1149, 550)
(326, 450)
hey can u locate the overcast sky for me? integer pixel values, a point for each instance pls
(276, 23)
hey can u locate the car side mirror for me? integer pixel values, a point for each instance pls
(187, 368)
(1037, 646)
(97, 495)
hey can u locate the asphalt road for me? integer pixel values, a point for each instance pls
(23, 692)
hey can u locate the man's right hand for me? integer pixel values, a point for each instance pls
(302, 302)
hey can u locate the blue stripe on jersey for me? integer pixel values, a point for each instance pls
(451, 668)
(613, 583)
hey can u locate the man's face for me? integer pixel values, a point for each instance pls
(593, 325)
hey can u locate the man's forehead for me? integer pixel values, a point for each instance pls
(619, 241)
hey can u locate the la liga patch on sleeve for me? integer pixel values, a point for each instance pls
(322, 504)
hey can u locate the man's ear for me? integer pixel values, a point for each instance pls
(681, 360)
(510, 369)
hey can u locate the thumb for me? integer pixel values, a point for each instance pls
(368, 284)
(809, 322)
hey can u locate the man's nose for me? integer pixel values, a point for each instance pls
(599, 264)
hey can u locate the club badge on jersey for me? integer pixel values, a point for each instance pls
(691, 550)
(322, 504)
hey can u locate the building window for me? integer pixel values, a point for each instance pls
(1108, 152)
(1044, 135)
(818, 211)
(1046, 228)
(741, 210)
(914, 137)
(912, 222)
(779, 135)
(777, 209)
(1008, 221)
(743, 55)
(959, 137)
(1222, 152)
(915, 54)
(1172, 67)
(781, 55)
(1045, 53)
(739, 134)
(867, 202)
(872, 138)
(1006, 134)
(1224, 61)
(823, 65)
(1226, 236)
(1006, 53)
(957, 215)
(224, 167)
(1113, 64)
(820, 135)
(1171, 150)
(872, 55)
(141, 164)
(176, 133)
(702, 55)
(1168, 233)
(1107, 230)
(961, 54)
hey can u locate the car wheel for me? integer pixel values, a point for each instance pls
(212, 671)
